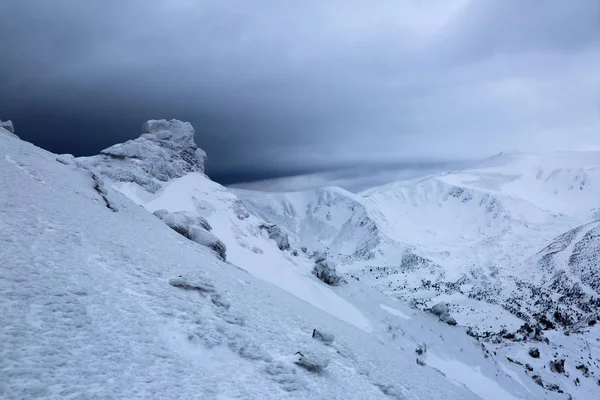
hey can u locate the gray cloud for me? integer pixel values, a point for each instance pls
(295, 88)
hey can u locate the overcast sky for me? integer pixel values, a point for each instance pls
(321, 88)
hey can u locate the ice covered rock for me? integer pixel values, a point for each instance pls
(325, 271)
(276, 234)
(205, 238)
(193, 227)
(311, 362)
(199, 285)
(8, 125)
(448, 319)
(442, 311)
(165, 150)
(324, 337)
(180, 221)
(66, 159)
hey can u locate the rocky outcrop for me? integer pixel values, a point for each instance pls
(193, 227)
(165, 150)
(8, 125)
(276, 234)
(442, 311)
(325, 270)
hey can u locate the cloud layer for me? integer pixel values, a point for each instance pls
(288, 88)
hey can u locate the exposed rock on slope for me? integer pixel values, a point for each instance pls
(442, 311)
(193, 227)
(165, 150)
(277, 235)
(8, 125)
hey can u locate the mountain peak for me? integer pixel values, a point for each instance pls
(165, 150)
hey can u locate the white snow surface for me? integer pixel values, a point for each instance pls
(196, 193)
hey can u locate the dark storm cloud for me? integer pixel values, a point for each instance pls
(290, 88)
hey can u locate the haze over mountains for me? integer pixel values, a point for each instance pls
(215, 294)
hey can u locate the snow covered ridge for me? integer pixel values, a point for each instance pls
(166, 150)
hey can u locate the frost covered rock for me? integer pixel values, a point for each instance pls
(194, 228)
(205, 238)
(199, 285)
(448, 319)
(324, 337)
(311, 362)
(66, 159)
(325, 271)
(276, 234)
(442, 311)
(8, 126)
(181, 221)
(165, 150)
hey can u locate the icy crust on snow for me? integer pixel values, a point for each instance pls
(166, 150)
(90, 310)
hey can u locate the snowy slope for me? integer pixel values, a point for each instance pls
(331, 219)
(470, 238)
(566, 182)
(474, 227)
(100, 299)
(248, 245)
(105, 282)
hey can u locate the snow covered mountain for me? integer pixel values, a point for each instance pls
(132, 275)
(489, 240)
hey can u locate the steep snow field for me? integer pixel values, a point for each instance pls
(100, 299)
